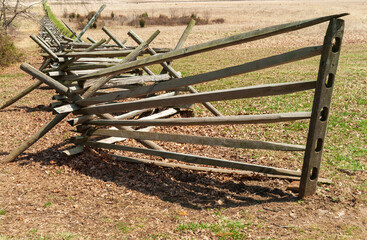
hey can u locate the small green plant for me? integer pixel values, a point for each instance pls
(33, 231)
(224, 228)
(47, 204)
(67, 236)
(2, 212)
(123, 227)
(159, 236)
(142, 22)
(192, 226)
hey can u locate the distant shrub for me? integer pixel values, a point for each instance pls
(112, 15)
(78, 16)
(143, 19)
(90, 15)
(218, 20)
(65, 13)
(144, 15)
(81, 24)
(72, 15)
(141, 22)
(8, 53)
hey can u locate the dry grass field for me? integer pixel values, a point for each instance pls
(90, 196)
(240, 16)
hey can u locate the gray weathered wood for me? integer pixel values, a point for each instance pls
(185, 34)
(21, 94)
(46, 43)
(44, 48)
(88, 66)
(220, 43)
(118, 42)
(210, 76)
(119, 82)
(81, 119)
(111, 140)
(91, 40)
(45, 79)
(226, 120)
(73, 151)
(54, 38)
(212, 141)
(70, 29)
(145, 142)
(120, 53)
(169, 68)
(91, 21)
(72, 60)
(320, 109)
(67, 39)
(29, 89)
(101, 81)
(220, 95)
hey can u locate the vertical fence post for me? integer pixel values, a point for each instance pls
(321, 106)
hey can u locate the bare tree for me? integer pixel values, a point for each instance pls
(10, 10)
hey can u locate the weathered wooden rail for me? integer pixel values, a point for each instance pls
(102, 90)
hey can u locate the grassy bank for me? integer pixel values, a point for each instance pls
(55, 20)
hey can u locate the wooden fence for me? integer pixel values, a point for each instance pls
(107, 87)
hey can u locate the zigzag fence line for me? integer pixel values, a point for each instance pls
(107, 88)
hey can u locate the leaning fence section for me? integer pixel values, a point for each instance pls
(108, 86)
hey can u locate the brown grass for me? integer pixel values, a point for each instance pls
(239, 16)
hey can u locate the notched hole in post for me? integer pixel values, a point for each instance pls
(318, 145)
(324, 114)
(336, 45)
(314, 173)
(330, 80)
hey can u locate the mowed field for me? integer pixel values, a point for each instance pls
(90, 196)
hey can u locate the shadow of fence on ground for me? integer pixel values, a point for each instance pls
(192, 189)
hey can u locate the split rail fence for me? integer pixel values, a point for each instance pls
(107, 87)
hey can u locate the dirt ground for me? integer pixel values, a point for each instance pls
(91, 196)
